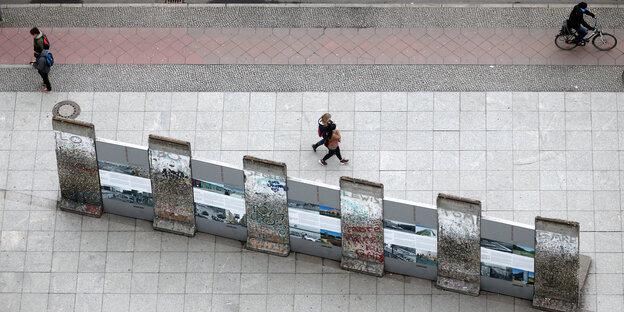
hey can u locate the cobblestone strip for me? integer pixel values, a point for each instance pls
(304, 46)
(299, 17)
(324, 78)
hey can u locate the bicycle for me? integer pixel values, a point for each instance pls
(601, 40)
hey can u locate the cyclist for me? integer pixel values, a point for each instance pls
(576, 20)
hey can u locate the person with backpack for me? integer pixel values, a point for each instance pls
(323, 122)
(42, 64)
(332, 141)
(39, 39)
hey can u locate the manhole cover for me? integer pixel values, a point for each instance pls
(66, 109)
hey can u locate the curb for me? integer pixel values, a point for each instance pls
(304, 5)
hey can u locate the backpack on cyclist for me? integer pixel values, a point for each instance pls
(46, 43)
(49, 59)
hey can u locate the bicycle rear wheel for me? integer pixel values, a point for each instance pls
(565, 42)
(604, 42)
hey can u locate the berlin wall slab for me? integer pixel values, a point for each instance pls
(361, 204)
(557, 265)
(459, 244)
(76, 158)
(172, 188)
(266, 205)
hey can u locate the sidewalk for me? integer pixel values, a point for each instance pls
(502, 46)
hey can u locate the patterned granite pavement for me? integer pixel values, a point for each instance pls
(500, 46)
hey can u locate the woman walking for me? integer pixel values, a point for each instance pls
(332, 141)
(322, 127)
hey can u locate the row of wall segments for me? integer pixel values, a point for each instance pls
(371, 234)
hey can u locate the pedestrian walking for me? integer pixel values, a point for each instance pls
(322, 126)
(332, 141)
(39, 39)
(42, 64)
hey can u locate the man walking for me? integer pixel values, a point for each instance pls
(39, 39)
(43, 67)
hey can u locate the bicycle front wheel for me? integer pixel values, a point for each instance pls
(604, 42)
(565, 42)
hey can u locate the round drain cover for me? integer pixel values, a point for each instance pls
(66, 109)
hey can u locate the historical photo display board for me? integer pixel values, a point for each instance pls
(410, 242)
(170, 173)
(266, 203)
(361, 204)
(125, 183)
(76, 158)
(506, 261)
(315, 223)
(459, 244)
(218, 202)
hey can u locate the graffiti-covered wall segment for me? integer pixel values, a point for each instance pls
(459, 244)
(266, 203)
(172, 189)
(76, 159)
(556, 265)
(361, 204)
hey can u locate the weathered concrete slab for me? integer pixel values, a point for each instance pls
(361, 204)
(557, 265)
(76, 158)
(266, 204)
(459, 244)
(172, 188)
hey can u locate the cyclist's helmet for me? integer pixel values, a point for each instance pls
(582, 5)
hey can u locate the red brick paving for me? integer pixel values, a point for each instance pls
(304, 46)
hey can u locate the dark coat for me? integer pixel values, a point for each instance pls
(41, 64)
(576, 18)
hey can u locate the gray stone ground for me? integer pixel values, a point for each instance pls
(571, 3)
(521, 153)
(283, 78)
(294, 17)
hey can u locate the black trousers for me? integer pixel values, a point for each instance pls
(44, 76)
(333, 152)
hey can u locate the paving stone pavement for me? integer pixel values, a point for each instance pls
(501, 46)
(522, 154)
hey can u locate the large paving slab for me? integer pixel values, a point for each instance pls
(521, 153)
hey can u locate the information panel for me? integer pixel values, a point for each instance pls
(76, 159)
(556, 265)
(508, 262)
(361, 205)
(266, 203)
(410, 238)
(219, 199)
(170, 173)
(459, 250)
(124, 179)
(314, 218)
(411, 243)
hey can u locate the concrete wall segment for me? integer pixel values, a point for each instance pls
(77, 164)
(361, 205)
(266, 203)
(171, 178)
(459, 244)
